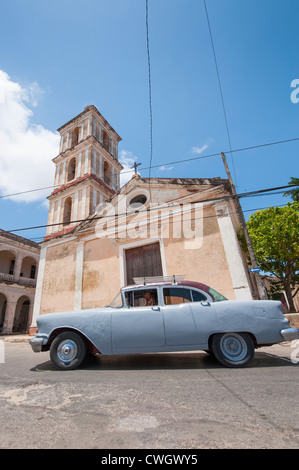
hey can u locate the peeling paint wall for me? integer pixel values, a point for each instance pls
(59, 278)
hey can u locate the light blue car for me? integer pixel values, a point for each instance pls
(164, 317)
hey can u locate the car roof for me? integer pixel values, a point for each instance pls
(151, 285)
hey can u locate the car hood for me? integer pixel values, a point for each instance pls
(75, 318)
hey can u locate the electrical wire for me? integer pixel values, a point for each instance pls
(223, 198)
(175, 162)
(150, 93)
(40, 239)
(220, 88)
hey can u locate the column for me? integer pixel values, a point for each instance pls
(63, 173)
(9, 317)
(39, 285)
(57, 174)
(51, 218)
(88, 126)
(94, 128)
(61, 144)
(75, 210)
(57, 221)
(83, 204)
(79, 165)
(18, 266)
(94, 161)
(79, 277)
(94, 200)
(86, 165)
(100, 167)
(112, 178)
(233, 254)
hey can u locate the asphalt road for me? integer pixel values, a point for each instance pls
(161, 401)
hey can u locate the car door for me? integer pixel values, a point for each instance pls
(186, 316)
(138, 327)
(180, 327)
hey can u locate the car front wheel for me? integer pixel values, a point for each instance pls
(68, 350)
(233, 349)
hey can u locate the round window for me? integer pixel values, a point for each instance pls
(137, 201)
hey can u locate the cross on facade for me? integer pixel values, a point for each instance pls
(135, 166)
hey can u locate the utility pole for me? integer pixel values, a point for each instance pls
(260, 285)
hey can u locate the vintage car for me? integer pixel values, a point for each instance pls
(164, 317)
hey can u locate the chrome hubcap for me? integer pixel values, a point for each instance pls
(233, 347)
(67, 350)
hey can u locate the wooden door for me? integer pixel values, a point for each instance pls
(143, 261)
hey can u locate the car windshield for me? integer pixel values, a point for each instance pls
(116, 302)
(217, 297)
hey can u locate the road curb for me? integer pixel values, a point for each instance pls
(15, 338)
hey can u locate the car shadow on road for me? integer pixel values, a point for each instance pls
(158, 361)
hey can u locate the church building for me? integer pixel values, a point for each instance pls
(101, 237)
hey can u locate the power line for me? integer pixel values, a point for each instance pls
(191, 219)
(149, 91)
(220, 88)
(175, 162)
(223, 198)
(28, 191)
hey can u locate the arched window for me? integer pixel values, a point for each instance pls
(71, 169)
(3, 304)
(28, 268)
(106, 173)
(75, 136)
(67, 211)
(7, 262)
(105, 140)
(21, 315)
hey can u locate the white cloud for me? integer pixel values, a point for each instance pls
(165, 168)
(127, 159)
(199, 150)
(26, 149)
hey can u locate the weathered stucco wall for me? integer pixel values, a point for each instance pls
(101, 279)
(59, 278)
(206, 264)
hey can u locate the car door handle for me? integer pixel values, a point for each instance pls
(156, 309)
(205, 304)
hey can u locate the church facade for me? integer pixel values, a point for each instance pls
(101, 237)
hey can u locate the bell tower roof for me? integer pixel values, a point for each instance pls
(87, 170)
(89, 110)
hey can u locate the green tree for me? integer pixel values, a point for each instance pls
(294, 193)
(274, 233)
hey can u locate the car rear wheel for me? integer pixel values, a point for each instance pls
(233, 349)
(68, 350)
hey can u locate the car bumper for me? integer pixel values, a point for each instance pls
(289, 334)
(37, 343)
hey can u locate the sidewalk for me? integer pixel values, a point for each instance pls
(15, 338)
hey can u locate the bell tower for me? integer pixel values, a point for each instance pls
(87, 170)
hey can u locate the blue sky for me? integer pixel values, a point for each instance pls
(58, 57)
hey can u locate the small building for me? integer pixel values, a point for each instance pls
(19, 260)
(100, 236)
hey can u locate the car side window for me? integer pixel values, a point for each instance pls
(176, 295)
(197, 296)
(142, 298)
